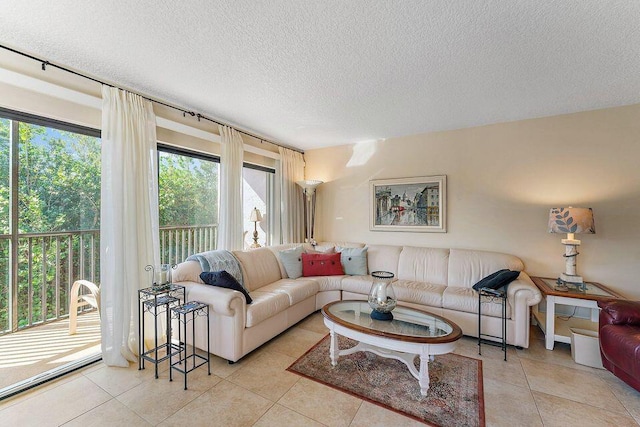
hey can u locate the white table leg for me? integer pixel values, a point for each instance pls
(334, 350)
(423, 379)
(550, 330)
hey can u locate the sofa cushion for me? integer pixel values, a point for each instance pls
(424, 265)
(419, 292)
(188, 271)
(467, 267)
(328, 283)
(265, 305)
(291, 259)
(223, 279)
(259, 267)
(321, 265)
(341, 244)
(383, 258)
(320, 249)
(354, 260)
(466, 299)
(296, 290)
(357, 284)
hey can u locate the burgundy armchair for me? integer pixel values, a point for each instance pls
(620, 339)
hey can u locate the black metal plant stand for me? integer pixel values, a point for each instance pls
(157, 300)
(490, 295)
(189, 362)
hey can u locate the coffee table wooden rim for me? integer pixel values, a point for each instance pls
(454, 335)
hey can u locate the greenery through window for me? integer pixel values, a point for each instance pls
(59, 180)
(188, 189)
(188, 203)
(58, 216)
(5, 141)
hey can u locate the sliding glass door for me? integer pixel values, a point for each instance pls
(49, 238)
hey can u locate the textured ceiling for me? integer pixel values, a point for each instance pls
(328, 72)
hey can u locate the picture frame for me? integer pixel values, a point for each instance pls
(409, 204)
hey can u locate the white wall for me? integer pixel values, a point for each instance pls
(502, 179)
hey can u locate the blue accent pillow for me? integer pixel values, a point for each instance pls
(291, 259)
(354, 260)
(222, 279)
(497, 280)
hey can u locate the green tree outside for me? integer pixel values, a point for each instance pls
(188, 190)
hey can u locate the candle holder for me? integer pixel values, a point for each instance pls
(160, 275)
(382, 297)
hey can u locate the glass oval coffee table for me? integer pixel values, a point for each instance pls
(410, 334)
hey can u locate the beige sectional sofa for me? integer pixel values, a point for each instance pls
(433, 279)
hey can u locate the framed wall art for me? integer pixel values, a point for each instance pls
(409, 204)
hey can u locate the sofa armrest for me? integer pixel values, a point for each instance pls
(523, 288)
(619, 312)
(226, 302)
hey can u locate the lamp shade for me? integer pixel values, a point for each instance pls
(571, 220)
(309, 186)
(256, 216)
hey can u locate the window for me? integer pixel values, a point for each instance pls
(5, 238)
(54, 238)
(5, 129)
(188, 203)
(257, 188)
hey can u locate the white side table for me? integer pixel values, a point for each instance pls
(557, 329)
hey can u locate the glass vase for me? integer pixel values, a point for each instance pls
(382, 298)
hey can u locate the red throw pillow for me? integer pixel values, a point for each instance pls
(321, 265)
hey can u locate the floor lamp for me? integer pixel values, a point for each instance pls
(309, 189)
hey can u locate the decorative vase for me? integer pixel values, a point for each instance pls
(382, 298)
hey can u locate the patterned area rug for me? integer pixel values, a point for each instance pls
(455, 396)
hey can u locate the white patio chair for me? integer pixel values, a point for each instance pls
(76, 300)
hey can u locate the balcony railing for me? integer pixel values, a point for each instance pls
(47, 264)
(178, 242)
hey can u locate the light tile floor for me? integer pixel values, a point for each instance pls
(535, 387)
(33, 351)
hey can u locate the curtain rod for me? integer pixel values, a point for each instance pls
(184, 112)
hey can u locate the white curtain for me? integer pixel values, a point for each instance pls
(231, 222)
(291, 171)
(129, 232)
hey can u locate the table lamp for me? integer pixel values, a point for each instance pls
(571, 221)
(256, 217)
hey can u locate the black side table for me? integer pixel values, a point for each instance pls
(491, 295)
(157, 300)
(189, 362)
